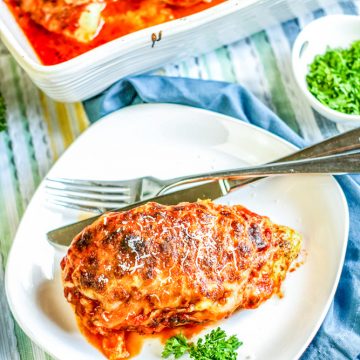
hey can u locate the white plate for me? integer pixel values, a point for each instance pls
(168, 140)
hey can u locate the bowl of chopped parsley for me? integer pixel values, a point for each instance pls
(326, 66)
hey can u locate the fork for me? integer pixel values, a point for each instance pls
(100, 196)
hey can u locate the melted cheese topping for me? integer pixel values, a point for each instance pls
(157, 267)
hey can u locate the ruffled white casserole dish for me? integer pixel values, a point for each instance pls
(90, 73)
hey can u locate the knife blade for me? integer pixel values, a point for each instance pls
(211, 190)
(347, 141)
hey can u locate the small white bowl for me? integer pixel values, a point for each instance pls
(334, 31)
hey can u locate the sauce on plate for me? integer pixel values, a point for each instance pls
(134, 341)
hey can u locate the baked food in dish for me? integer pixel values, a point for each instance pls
(78, 19)
(59, 30)
(156, 267)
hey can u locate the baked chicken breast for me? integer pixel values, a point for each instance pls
(156, 267)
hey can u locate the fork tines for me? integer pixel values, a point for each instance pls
(91, 195)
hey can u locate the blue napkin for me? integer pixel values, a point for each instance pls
(339, 335)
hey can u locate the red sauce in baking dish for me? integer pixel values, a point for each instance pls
(53, 48)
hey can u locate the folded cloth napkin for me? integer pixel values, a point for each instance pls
(339, 335)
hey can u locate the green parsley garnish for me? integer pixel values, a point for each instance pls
(2, 113)
(334, 79)
(215, 346)
(176, 345)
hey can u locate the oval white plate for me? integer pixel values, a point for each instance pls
(168, 140)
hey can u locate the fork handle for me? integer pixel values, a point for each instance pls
(334, 164)
(338, 144)
(347, 141)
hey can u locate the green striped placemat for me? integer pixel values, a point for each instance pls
(40, 129)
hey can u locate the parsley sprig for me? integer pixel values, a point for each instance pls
(2, 113)
(215, 346)
(177, 346)
(334, 79)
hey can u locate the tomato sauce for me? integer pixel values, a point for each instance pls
(134, 341)
(54, 48)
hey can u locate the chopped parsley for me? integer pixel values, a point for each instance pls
(2, 113)
(334, 79)
(215, 346)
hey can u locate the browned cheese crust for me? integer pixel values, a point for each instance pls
(157, 266)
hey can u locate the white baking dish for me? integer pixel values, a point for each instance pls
(92, 72)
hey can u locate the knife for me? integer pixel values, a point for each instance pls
(212, 190)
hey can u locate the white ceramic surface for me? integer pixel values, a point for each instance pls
(126, 144)
(92, 72)
(334, 31)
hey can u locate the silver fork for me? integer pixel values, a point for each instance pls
(100, 196)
